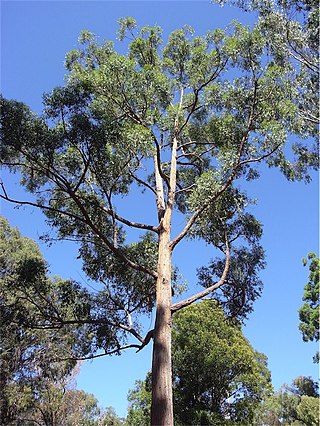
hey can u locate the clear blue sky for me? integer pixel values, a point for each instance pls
(34, 39)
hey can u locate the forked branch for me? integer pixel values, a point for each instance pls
(146, 340)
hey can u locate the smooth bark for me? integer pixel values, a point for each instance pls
(162, 405)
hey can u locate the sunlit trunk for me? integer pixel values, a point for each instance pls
(162, 405)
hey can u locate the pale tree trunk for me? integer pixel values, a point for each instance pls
(162, 405)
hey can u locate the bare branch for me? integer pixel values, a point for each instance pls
(179, 305)
(117, 252)
(158, 162)
(310, 117)
(186, 189)
(121, 348)
(262, 157)
(86, 220)
(58, 323)
(191, 142)
(159, 190)
(129, 222)
(142, 182)
(302, 58)
(40, 206)
(144, 341)
(147, 339)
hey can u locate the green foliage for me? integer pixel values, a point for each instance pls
(39, 342)
(34, 354)
(113, 108)
(139, 403)
(308, 410)
(304, 386)
(243, 285)
(293, 405)
(109, 418)
(291, 33)
(182, 120)
(309, 312)
(62, 406)
(217, 374)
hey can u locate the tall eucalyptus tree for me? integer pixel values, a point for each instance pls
(182, 121)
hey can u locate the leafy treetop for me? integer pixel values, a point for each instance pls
(182, 121)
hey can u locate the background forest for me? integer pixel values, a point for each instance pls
(218, 377)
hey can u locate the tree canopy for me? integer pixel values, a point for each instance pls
(218, 377)
(185, 121)
(98, 135)
(36, 372)
(294, 405)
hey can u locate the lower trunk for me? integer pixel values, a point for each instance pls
(162, 406)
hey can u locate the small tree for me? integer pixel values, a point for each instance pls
(34, 366)
(309, 312)
(218, 377)
(217, 374)
(294, 405)
(58, 404)
(110, 418)
(139, 399)
(182, 122)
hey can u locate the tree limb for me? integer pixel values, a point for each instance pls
(121, 348)
(158, 162)
(142, 182)
(130, 223)
(235, 168)
(214, 75)
(86, 220)
(180, 305)
(146, 340)
(30, 203)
